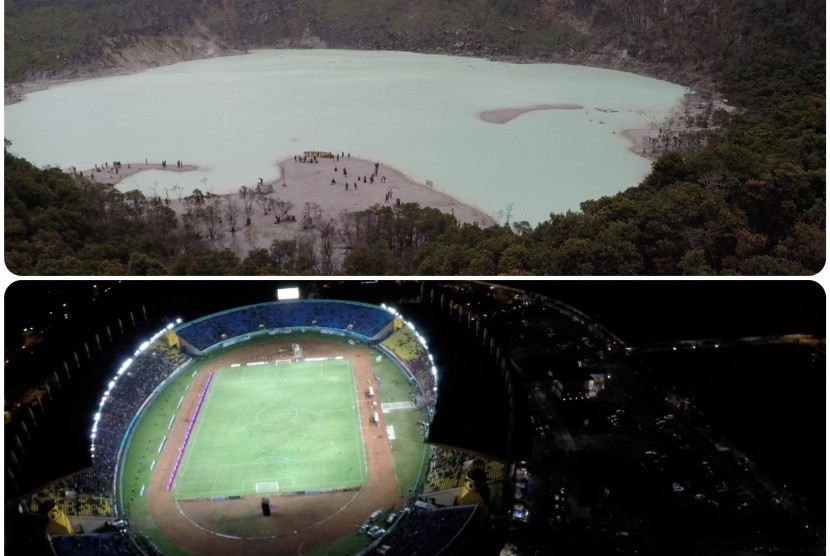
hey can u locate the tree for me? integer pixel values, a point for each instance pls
(312, 213)
(283, 210)
(141, 264)
(666, 170)
(232, 214)
(248, 197)
(305, 260)
(328, 234)
(262, 201)
(694, 263)
(259, 263)
(211, 215)
(374, 259)
(283, 252)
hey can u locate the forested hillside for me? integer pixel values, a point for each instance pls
(681, 41)
(747, 198)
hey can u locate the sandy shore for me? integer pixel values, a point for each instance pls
(504, 115)
(16, 92)
(108, 174)
(638, 139)
(301, 183)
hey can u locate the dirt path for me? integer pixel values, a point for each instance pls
(298, 523)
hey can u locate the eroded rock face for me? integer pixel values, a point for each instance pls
(670, 39)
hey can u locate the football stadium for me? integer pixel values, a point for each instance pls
(388, 418)
(282, 427)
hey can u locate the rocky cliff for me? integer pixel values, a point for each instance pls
(673, 39)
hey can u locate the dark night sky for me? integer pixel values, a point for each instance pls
(643, 310)
(635, 310)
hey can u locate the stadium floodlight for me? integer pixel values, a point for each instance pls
(125, 364)
(284, 294)
(434, 371)
(179, 320)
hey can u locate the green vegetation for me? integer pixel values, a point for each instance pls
(551, 38)
(350, 544)
(745, 199)
(165, 545)
(408, 449)
(147, 435)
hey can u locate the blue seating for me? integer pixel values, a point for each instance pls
(425, 531)
(365, 320)
(92, 545)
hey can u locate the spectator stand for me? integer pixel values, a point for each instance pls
(411, 356)
(423, 530)
(361, 321)
(137, 413)
(138, 380)
(112, 544)
(76, 496)
(448, 469)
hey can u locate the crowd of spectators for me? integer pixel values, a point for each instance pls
(408, 349)
(424, 531)
(360, 318)
(146, 372)
(75, 496)
(114, 544)
(405, 345)
(448, 469)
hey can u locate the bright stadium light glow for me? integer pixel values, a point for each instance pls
(178, 320)
(284, 294)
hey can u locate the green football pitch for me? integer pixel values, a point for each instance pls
(275, 428)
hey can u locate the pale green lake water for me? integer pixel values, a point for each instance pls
(237, 116)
